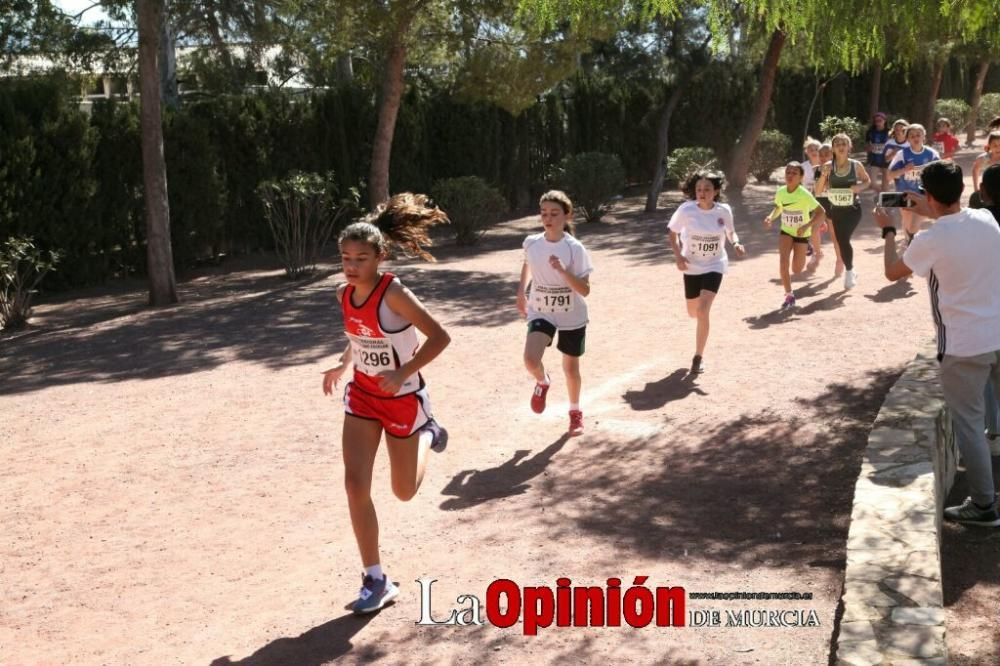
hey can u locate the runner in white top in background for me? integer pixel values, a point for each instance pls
(557, 268)
(895, 142)
(905, 167)
(699, 229)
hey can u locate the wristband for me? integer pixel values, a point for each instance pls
(887, 230)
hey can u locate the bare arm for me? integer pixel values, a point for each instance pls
(522, 286)
(895, 267)
(402, 301)
(580, 285)
(333, 375)
(864, 180)
(675, 245)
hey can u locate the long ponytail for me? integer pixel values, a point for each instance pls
(402, 221)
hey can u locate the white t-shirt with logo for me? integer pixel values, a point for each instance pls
(549, 296)
(960, 257)
(703, 236)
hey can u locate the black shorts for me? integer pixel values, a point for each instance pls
(695, 284)
(570, 342)
(796, 239)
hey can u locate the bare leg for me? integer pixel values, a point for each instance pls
(571, 369)
(784, 255)
(704, 308)
(534, 347)
(360, 444)
(692, 306)
(408, 460)
(798, 258)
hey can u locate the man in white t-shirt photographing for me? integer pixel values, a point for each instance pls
(958, 256)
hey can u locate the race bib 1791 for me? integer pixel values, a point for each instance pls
(550, 299)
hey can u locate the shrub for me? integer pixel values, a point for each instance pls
(685, 161)
(852, 127)
(989, 108)
(303, 211)
(472, 205)
(22, 267)
(591, 180)
(955, 110)
(771, 152)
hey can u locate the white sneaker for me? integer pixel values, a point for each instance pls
(850, 279)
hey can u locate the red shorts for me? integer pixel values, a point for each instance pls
(400, 416)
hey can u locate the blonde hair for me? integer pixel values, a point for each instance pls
(401, 221)
(915, 127)
(561, 198)
(811, 143)
(842, 137)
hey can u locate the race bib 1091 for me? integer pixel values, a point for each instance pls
(704, 246)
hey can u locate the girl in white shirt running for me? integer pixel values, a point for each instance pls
(699, 229)
(555, 281)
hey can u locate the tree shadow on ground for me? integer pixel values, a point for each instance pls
(893, 291)
(779, 316)
(678, 385)
(647, 240)
(266, 321)
(472, 487)
(320, 645)
(766, 488)
(970, 573)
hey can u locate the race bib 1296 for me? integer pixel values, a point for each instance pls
(372, 355)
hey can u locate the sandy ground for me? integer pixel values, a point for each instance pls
(173, 486)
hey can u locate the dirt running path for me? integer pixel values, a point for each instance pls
(173, 492)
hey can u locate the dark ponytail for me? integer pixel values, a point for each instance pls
(402, 221)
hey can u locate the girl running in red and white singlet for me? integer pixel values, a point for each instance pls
(555, 281)
(699, 229)
(386, 392)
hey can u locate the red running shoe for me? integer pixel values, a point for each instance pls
(575, 422)
(538, 398)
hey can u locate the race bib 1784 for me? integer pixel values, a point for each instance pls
(793, 219)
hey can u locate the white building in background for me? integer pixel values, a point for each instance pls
(123, 83)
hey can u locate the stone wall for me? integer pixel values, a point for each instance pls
(892, 601)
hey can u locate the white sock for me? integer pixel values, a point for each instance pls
(574, 406)
(546, 381)
(375, 571)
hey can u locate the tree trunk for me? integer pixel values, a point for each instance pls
(739, 162)
(345, 69)
(663, 146)
(977, 97)
(168, 63)
(936, 75)
(159, 257)
(389, 101)
(875, 91)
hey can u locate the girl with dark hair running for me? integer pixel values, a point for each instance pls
(386, 393)
(699, 229)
